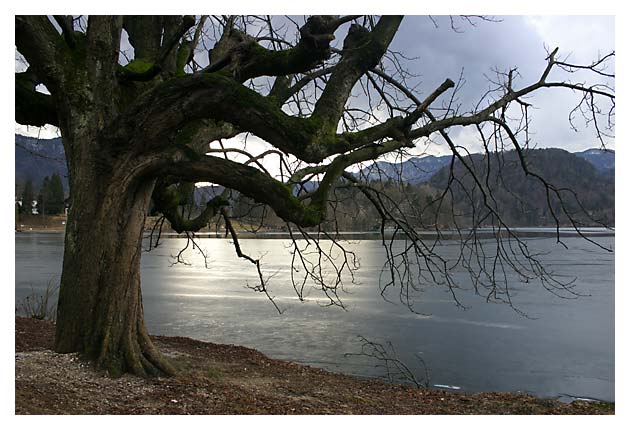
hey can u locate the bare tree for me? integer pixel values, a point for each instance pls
(140, 128)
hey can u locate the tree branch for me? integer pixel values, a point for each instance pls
(283, 92)
(250, 182)
(38, 41)
(165, 50)
(65, 22)
(145, 33)
(363, 50)
(167, 200)
(246, 59)
(31, 106)
(262, 287)
(102, 44)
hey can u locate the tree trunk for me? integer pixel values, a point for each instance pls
(100, 313)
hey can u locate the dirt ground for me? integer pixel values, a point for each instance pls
(227, 379)
(39, 223)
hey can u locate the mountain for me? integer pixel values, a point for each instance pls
(418, 170)
(603, 160)
(38, 158)
(522, 200)
(414, 171)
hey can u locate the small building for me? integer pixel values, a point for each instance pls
(34, 210)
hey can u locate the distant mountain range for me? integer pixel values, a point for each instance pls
(602, 160)
(522, 200)
(418, 170)
(414, 170)
(38, 158)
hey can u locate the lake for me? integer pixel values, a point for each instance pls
(565, 349)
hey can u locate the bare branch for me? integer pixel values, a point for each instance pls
(256, 262)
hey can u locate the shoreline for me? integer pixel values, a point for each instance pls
(522, 232)
(228, 379)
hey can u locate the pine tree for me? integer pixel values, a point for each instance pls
(44, 196)
(27, 197)
(55, 195)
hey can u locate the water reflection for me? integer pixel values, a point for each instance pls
(567, 349)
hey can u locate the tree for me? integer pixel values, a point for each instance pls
(27, 197)
(51, 196)
(42, 197)
(137, 134)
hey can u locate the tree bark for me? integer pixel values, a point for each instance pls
(100, 312)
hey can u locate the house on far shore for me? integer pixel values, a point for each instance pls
(34, 210)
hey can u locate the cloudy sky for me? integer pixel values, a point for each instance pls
(516, 41)
(475, 50)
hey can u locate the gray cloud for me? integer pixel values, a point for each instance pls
(518, 42)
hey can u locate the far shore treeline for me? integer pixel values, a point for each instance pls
(414, 185)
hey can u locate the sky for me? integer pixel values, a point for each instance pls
(514, 42)
(473, 52)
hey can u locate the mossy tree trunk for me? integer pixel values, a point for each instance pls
(100, 312)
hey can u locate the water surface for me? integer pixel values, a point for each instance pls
(565, 348)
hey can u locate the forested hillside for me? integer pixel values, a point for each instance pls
(522, 200)
(36, 159)
(415, 184)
